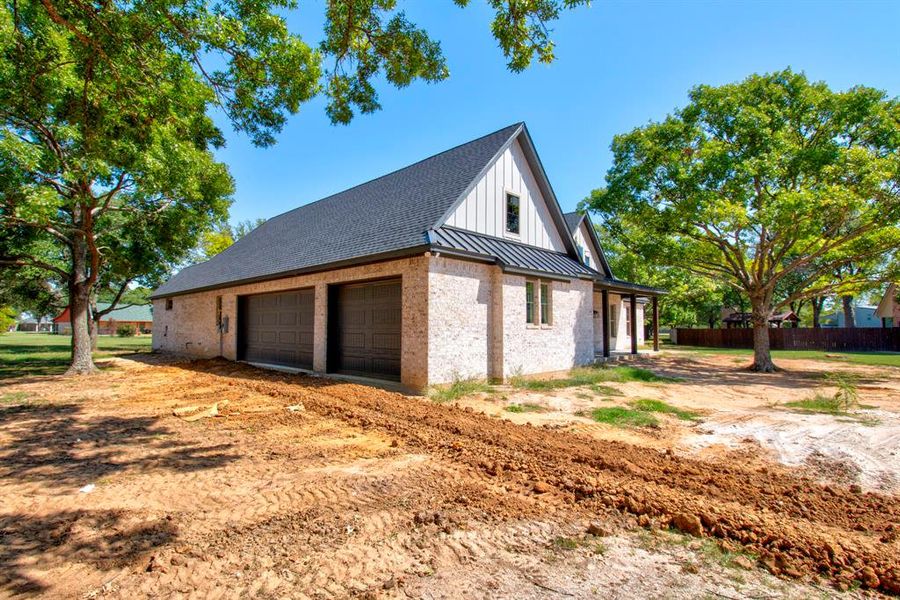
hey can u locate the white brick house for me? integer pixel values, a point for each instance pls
(459, 266)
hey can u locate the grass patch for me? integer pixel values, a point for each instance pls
(458, 389)
(525, 407)
(605, 390)
(877, 359)
(820, 403)
(14, 397)
(714, 553)
(31, 354)
(658, 406)
(640, 413)
(591, 376)
(845, 399)
(619, 416)
(564, 543)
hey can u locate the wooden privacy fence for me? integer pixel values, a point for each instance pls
(834, 339)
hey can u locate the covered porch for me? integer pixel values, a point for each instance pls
(620, 312)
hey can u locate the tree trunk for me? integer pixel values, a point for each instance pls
(94, 327)
(79, 301)
(762, 355)
(849, 321)
(817, 303)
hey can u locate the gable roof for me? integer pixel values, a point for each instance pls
(398, 214)
(387, 214)
(573, 221)
(135, 312)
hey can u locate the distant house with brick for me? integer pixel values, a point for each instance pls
(461, 265)
(139, 316)
(888, 309)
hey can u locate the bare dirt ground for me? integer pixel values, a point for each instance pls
(305, 487)
(743, 416)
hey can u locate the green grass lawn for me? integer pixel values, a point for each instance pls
(879, 359)
(583, 376)
(24, 354)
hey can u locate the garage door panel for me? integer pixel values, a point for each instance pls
(277, 328)
(353, 341)
(287, 318)
(385, 316)
(364, 329)
(385, 341)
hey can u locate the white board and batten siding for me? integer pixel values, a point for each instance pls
(583, 240)
(484, 209)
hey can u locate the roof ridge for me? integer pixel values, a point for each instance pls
(395, 171)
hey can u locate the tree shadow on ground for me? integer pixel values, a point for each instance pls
(61, 448)
(101, 539)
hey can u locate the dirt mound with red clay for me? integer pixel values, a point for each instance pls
(793, 524)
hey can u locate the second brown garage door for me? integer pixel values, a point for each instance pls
(277, 329)
(364, 329)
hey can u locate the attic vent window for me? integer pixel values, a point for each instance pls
(512, 213)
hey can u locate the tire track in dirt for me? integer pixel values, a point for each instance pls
(795, 525)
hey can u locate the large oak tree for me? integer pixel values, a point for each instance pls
(106, 138)
(758, 181)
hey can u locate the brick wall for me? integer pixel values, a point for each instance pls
(460, 320)
(189, 328)
(460, 317)
(529, 349)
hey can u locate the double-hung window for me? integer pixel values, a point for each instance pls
(530, 317)
(546, 316)
(538, 302)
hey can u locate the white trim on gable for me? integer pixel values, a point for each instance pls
(483, 210)
(584, 240)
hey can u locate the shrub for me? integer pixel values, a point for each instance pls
(125, 330)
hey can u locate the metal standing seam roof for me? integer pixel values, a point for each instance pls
(511, 255)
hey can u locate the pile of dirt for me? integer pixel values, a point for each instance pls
(794, 525)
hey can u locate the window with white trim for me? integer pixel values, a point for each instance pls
(613, 321)
(627, 308)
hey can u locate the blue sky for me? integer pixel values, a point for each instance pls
(619, 65)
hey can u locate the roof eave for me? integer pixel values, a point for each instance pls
(350, 262)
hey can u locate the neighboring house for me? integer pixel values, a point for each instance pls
(863, 316)
(888, 309)
(138, 316)
(29, 324)
(461, 265)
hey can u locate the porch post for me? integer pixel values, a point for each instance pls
(604, 310)
(655, 325)
(633, 309)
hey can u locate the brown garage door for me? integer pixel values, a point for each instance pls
(277, 329)
(364, 329)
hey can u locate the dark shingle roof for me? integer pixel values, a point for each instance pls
(573, 219)
(511, 255)
(387, 214)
